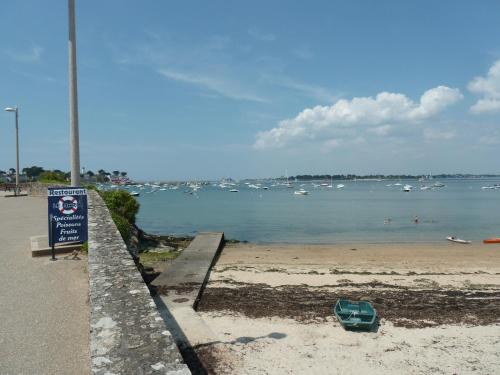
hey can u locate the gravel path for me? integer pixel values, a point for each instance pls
(44, 325)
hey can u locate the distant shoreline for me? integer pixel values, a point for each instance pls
(443, 242)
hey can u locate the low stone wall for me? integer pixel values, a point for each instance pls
(128, 334)
(38, 189)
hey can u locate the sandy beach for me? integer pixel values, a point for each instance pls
(270, 308)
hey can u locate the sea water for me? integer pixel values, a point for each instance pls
(359, 212)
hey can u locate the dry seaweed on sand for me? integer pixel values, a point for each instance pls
(404, 307)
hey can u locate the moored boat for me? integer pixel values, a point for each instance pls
(355, 315)
(301, 192)
(492, 240)
(457, 240)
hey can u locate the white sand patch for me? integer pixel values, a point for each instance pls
(281, 346)
(317, 276)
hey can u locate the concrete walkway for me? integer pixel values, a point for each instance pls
(44, 314)
(181, 286)
(190, 271)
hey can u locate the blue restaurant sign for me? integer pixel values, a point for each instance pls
(67, 215)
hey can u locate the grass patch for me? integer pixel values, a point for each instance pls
(150, 258)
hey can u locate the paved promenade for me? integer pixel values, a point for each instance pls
(44, 317)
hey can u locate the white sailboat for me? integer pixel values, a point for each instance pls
(331, 183)
(288, 183)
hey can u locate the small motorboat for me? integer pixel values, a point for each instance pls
(233, 190)
(301, 192)
(355, 315)
(457, 240)
(492, 240)
(438, 184)
(407, 188)
(134, 193)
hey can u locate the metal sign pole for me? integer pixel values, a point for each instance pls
(52, 221)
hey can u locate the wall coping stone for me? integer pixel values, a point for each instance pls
(128, 335)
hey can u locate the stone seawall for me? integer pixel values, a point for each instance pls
(38, 189)
(128, 334)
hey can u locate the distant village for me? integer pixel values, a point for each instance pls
(34, 173)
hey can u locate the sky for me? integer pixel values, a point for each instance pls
(248, 89)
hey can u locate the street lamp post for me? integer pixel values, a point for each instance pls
(16, 111)
(73, 98)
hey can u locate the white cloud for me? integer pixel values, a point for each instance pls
(489, 88)
(314, 91)
(324, 122)
(32, 56)
(382, 130)
(491, 140)
(209, 64)
(330, 145)
(485, 105)
(223, 88)
(436, 134)
(259, 35)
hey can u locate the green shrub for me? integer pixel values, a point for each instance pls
(90, 187)
(121, 203)
(53, 177)
(123, 208)
(122, 224)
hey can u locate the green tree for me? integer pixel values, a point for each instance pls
(123, 174)
(101, 175)
(116, 173)
(33, 172)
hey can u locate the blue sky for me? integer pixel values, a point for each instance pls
(203, 90)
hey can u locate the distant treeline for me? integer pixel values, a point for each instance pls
(306, 177)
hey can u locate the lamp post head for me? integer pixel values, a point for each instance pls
(10, 109)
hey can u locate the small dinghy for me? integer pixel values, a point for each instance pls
(492, 240)
(457, 240)
(355, 315)
(301, 192)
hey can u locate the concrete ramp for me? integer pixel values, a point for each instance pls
(189, 273)
(181, 286)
